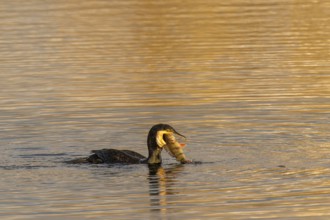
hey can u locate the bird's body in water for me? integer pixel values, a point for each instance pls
(160, 136)
(115, 156)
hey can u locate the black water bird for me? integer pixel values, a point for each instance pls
(155, 142)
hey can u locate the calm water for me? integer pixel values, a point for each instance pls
(248, 82)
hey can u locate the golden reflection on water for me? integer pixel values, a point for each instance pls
(248, 82)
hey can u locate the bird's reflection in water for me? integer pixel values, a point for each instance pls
(160, 186)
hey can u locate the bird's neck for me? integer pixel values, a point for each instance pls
(155, 157)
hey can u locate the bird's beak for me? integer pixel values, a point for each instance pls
(160, 137)
(175, 132)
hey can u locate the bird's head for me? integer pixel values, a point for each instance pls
(156, 141)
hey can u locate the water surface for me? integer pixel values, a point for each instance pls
(246, 81)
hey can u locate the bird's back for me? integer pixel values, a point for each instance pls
(115, 156)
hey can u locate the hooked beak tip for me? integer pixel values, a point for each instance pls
(175, 132)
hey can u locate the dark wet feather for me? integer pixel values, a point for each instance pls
(115, 156)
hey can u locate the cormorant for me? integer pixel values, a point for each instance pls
(155, 142)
